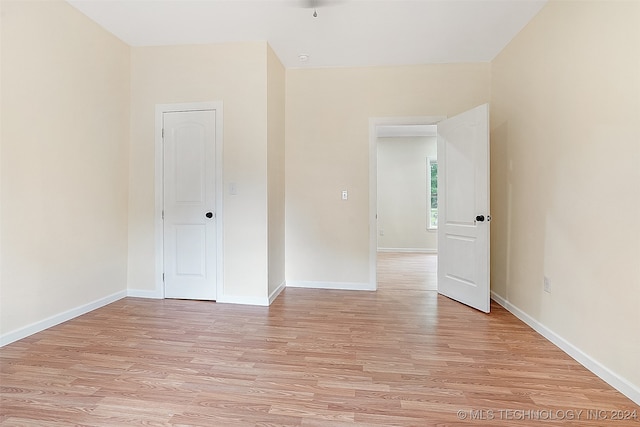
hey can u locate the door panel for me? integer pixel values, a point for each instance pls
(190, 156)
(190, 250)
(463, 176)
(189, 194)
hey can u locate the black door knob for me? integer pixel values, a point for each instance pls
(209, 214)
(480, 218)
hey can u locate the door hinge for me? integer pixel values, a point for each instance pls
(163, 214)
(163, 132)
(162, 277)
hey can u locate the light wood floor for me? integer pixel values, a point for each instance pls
(401, 356)
(408, 271)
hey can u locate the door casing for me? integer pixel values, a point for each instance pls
(159, 202)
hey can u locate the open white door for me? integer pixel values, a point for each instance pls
(189, 204)
(463, 208)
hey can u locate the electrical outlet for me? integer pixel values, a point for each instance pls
(547, 284)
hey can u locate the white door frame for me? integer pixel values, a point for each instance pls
(373, 181)
(159, 191)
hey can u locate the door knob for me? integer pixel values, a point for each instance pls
(209, 214)
(480, 218)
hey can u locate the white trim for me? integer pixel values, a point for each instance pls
(614, 380)
(373, 202)
(409, 250)
(347, 286)
(374, 122)
(276, 292)
(232, 299)
(144, 293)
(401, 131)
(56, 319)
(159, 236)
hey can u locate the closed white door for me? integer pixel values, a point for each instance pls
(189, 205)
(463, 208)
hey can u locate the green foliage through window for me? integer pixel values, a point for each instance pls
(432, 197)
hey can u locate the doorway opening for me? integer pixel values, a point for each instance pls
(463, 204)
(403, 240)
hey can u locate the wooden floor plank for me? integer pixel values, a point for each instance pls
(401, 356)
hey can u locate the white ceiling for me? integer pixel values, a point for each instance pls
(345, 33)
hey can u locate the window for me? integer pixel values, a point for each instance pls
(432, 193)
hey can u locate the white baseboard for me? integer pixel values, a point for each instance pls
(409, 250)
(614, 380)
(276, 292)
(140, 293)
(56, 319)
(233, 299)
(144, 293)
(348, 286)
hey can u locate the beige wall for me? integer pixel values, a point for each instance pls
(402, 193)
(1, 174)
(275, 169)
(566, 177)
(65, 121)
(327, 150)
(236, 74)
